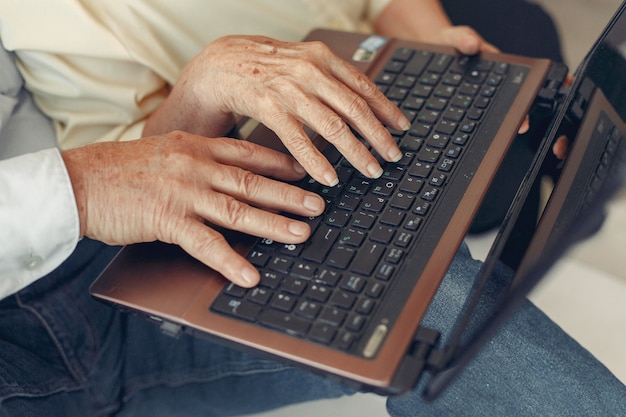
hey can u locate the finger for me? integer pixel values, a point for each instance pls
(467, 41)
(525, 127)
(260, 191)
(255, 158)
(210, 248)
(291, 133)
(233, 214)
(561, 147)
(333, 128)
(355, 109)
(388, 113)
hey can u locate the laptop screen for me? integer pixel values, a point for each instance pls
(590, 118)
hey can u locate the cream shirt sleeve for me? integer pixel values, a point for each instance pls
(39, 225)
(99, 68)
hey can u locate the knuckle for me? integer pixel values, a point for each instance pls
(359, 108)
(365, 85)
(235, 212)
(319, 47)
(249, 183)
(334, 128)
(210, 243)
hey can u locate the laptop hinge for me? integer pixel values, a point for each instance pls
(437, 360)
(415, 361)
(551, 93)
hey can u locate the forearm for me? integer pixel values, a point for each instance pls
(413, 19)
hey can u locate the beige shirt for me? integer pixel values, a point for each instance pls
(99, 67)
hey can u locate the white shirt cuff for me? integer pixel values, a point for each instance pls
(39, 224)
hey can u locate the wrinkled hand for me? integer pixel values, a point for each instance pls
(167, 187)
(284, 86)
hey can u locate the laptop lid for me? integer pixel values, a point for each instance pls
(591, 117)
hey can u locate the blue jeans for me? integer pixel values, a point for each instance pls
(64, 354)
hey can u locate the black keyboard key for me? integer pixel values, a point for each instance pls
(384, 272)
(402, 201)
(317, 292)
(338, 218)
(374, 289)
(420, 170)
(308, 309)
(342, 300)
(349, 202)
(418, 62)
(321, 242)
(260, 295)
(429, 155)
(363, 220)
(235, 307)
(322, 333)
(422, 208)
(394, 255)
(284, 302)
(302, 269)
(328, 277)
(440, 63)
(258, 258)
(353, 283)
(340, 257)
(271, 280)
(280, 264)
(332, 316)
(392, 217)
(382, 234)
(352, 237)
(367, 258)
(365, 306)
(403, 239)
(235, 290)
(293, 285)
(403, 54)
(344, 340)
(356, 322)
(413, 223)
(411, 185)
(286, 322)
(430, 194)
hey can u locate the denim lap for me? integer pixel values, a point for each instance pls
(65, 354)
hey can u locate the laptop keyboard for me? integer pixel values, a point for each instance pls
(328, 289)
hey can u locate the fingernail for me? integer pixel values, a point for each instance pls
(374, 170)
(298, 168)
(298, 228)
(331, 179)
(404, 123)
(313, 203)
(394, 154)
(249, 276)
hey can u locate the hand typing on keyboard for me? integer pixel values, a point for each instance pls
(284, 86)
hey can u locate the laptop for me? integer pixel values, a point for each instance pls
(348, 303)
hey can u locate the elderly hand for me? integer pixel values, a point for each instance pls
(284, 86)
(167, 187)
